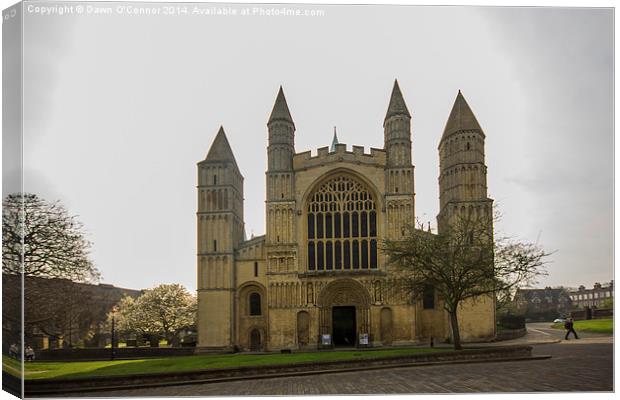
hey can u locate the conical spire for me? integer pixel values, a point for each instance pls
(334, 141)
(461, 117)
(397, 103)
(280, 110)
(220, 148)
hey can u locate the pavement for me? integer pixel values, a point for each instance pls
(575, 365)
(541, 331)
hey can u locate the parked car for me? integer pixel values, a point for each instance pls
(559, 320)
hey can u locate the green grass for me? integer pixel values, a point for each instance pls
(11, 365)
(75, 369)
(592, 325)
(162, 343)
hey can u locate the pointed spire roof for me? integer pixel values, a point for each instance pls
(397, 103)
(334, 141)
(280, 110)
(461, 117)
(220, 149)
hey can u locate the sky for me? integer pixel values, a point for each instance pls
(119, 108)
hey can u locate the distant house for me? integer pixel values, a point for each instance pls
(583, 297)
(58, 312)
(542, 304)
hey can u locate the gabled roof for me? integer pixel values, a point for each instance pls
(529, 294)
(461, 117)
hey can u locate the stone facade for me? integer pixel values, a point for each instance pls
(319, 269)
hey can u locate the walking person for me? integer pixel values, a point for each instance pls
(29, 353)
(13, 351)
(569, 328)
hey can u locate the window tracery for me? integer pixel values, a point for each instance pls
(342, 226)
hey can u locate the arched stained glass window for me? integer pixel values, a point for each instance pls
(342, 226)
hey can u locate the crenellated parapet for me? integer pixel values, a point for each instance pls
(376, 157)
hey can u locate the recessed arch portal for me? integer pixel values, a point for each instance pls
(344, 293)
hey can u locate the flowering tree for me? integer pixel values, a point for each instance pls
(164, 310)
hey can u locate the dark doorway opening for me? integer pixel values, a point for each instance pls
(343, 323)
(255, 344)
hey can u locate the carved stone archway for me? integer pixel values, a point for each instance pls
(251, 311)
(344, 292)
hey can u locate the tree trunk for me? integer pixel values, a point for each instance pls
(169, 339)
(456, 336)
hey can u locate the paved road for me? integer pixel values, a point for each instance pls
(576, 365)
(544, 328)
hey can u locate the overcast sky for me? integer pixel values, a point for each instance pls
(119, 109)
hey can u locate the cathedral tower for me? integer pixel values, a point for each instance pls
(399, 183)
(220, 231)
(463, 173)
(280, 202)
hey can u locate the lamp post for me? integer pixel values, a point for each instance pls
(113, 335)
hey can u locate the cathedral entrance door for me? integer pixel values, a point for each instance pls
(343, 323)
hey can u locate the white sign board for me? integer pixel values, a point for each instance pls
(326, 339)
(364, 338)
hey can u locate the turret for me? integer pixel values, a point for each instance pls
(399, 182)
(221, 191)
(280, 202)
(281, 136)
(220, 229)
(397, 130)
(463, 173)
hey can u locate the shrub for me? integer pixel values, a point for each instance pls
(511, 322)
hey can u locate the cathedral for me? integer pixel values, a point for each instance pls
(318, 277)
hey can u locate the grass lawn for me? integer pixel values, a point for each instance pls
(11, 365)
(162, 343)
(592, 325)
(74, 369)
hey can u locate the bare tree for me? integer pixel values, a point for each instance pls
(463, 262)
(41, 239)
(45, 245)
